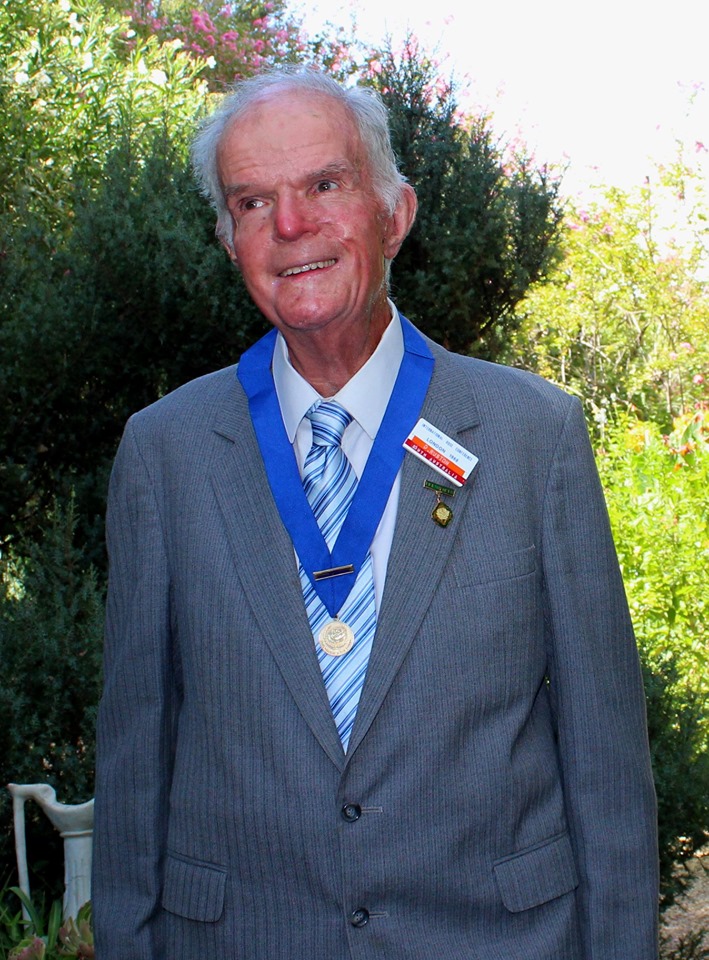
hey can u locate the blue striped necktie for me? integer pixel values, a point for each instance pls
(330, 482)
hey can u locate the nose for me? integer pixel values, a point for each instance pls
(293, 218)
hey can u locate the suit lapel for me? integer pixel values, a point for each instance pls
(420, 551)
(269, 575)
(420, 548)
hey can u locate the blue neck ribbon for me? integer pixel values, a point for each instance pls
(364, 515)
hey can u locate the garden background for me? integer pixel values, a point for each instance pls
(113, 291)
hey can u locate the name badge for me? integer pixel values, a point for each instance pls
(440, 452)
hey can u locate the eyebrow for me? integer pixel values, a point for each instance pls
(337, 167)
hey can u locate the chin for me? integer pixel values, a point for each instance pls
(304, 320)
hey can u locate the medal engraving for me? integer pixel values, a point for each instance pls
(442, 514)
(336, 638)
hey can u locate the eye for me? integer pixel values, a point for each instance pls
(250, 203)
(324, 186)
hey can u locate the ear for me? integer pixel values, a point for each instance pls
(231, 252)
(397, 225)
(225, 231)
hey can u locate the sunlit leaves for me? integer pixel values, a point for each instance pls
(73, 83)
(625, 319)
(657, 488)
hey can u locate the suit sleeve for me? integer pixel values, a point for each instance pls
(136, 719)
(598, 698)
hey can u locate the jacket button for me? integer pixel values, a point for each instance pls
(351, 812)
(359, 917)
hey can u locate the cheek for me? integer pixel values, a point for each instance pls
(250, 253)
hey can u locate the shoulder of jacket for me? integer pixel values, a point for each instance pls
(197, 397)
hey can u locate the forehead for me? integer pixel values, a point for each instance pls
(288, 130)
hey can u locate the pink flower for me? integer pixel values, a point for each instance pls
(698, 379)
(202, 21)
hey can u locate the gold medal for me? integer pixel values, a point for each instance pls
(336, 638)
(442, 514)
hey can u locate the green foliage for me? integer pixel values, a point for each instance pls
(35, 939)
(34, 943)
(487, 225)
(71, 85)
(625, 318)
(76, 936)
(677, 724)
(657, 489)
(138, 300)
(51, 622)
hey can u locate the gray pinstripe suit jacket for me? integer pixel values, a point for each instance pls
(498, 770)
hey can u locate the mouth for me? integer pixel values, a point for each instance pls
(307, 267)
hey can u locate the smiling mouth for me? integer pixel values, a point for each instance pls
(306, 267)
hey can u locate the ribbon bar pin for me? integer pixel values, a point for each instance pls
(439, 488)
(333, 572)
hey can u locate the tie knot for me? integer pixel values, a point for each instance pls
(328, 420)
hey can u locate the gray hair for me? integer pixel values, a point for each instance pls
(362, 103)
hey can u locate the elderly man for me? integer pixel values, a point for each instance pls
(371, 686)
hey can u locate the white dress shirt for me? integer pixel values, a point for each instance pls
(365, 397)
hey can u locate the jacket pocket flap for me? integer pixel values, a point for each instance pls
(474, 571)
(193, 890)
(536, 875)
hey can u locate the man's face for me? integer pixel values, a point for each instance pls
(309, 236)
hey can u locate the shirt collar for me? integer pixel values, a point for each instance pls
(365, 396)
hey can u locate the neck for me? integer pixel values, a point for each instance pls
(328, 359)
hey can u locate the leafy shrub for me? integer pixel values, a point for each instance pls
(657, 489)
(43, 936)
(51, 622)
(677, 724)
(71, 86)
(623, 321)
(138, 300)
(488, 220)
